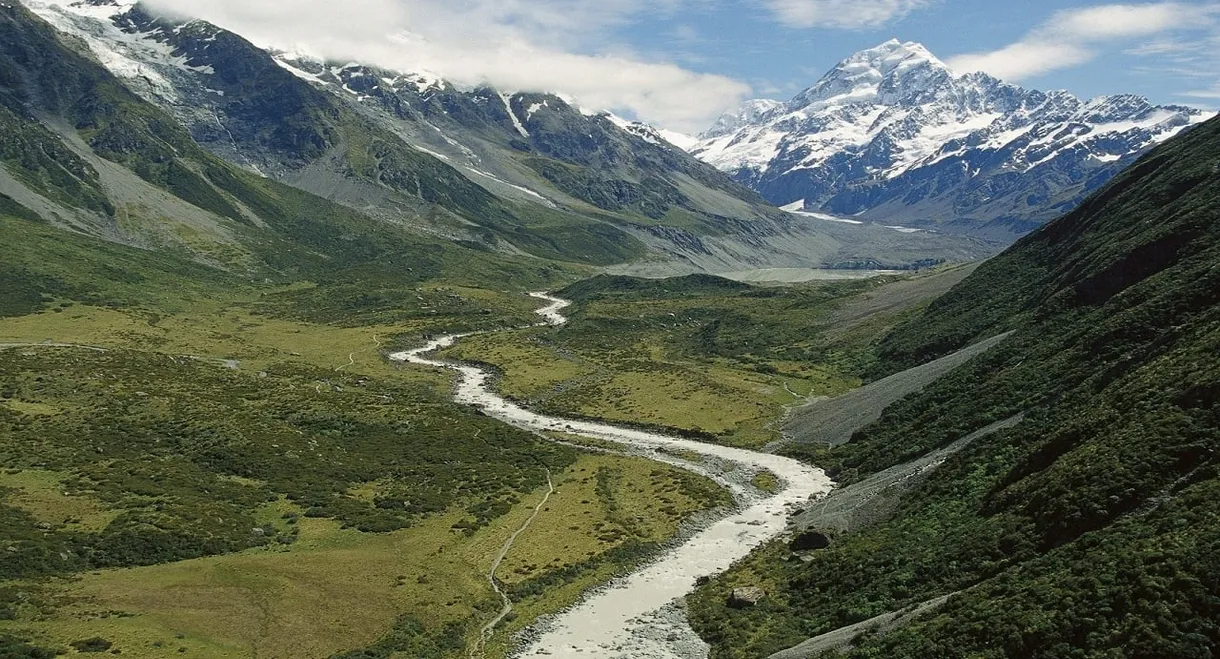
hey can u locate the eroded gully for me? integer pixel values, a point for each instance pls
(636, 616)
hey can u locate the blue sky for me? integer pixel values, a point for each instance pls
(779, 60)
(680, 63)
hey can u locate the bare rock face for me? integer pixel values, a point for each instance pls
(744, 598)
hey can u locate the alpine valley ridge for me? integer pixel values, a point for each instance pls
(893, 135)
(519, 173)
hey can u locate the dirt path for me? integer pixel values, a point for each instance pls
(799, 397)
(10, 346)
(489, 629)
(843, 637)
(351, 357)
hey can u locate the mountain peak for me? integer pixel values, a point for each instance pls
(893, 56)
(893, 64)
(893, 133)
(747, 113)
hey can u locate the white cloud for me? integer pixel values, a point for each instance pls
(841, 13)
(1023, 59)
(527, 45)
(1073, 37)
(1118, 21)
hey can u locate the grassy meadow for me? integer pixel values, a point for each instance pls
(197, 462)
(193, 463)
(700, 355)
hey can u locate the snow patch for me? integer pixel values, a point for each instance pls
(508, 107)
(125, 55)
(501, 181)
(534, 107)
(680, 140)
(304, 75)
(824, 217)
(434, 154)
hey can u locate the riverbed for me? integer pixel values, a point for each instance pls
(637, 616)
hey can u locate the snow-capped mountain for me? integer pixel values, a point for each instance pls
(653, 134)
(749, 112)
(508, 170)
(892, 135)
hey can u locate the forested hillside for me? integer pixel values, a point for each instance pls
(1090, 528)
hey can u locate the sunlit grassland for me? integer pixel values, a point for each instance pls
(643, 384)
(235, 330)
(232, 334)
(49, 500)
(676, 362)
(607, 513)
(332, 588)
(336, 588)
(215, 332)
(602, 502)
(529, 361)
(30, 409)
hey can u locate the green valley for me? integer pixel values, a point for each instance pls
(708, 356)
(277, 381)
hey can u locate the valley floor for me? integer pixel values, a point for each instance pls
(310, 577)
(310, 584)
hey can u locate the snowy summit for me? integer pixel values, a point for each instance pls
(893, 133)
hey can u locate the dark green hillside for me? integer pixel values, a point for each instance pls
(41, 161)
(1159, 215)
(1090, 529)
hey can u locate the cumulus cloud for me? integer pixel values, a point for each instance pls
(841, 13)
(1075, 36)
(525, 45)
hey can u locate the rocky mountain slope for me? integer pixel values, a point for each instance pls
(892, 135)
(519, 172)
(84, 155)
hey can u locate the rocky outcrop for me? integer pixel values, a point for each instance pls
(746, 597)
(809, 541)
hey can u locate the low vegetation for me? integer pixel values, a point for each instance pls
(701, 355)
(181, 469)
(1088, 529)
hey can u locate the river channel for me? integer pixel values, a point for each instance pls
(638, 616)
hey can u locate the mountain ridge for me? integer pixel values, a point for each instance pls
(892, 134)
(517, 173)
